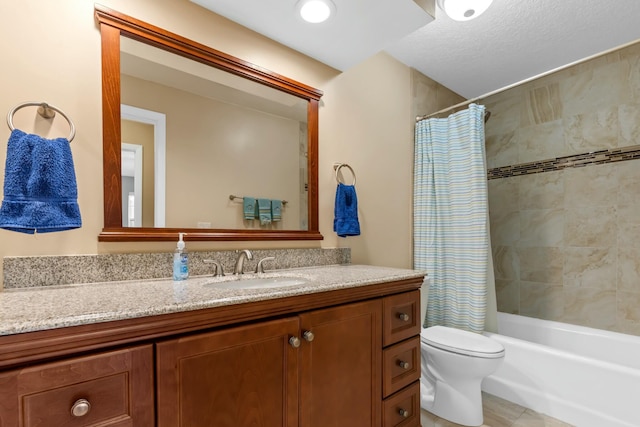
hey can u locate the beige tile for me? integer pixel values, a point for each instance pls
(541, 264)
(629, 306)
(542, 191)
(629, 224)
(499, 412)
(594, 185)
(503, 194)
(505, 227)
(628, 269)
(540, 142)
(541, 301)
(590, 307)
(508, 296)
(628, 124)
(505, 262)
(505, 112)
(590, 267)
(502, 149)
(599, 87)
(533, 419)
(541, 227)
(633, 76)
(590, 226)
(543, 104)
(628, 179)
(628, 316)
(592, 131)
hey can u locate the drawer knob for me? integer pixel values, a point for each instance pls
(403, 364)
(403, 316)
(403, 413)
(80, 408)
(295, 342)
(308, 335)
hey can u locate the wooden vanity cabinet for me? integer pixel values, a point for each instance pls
(401, 360)
(320, 368)
(239, 376)
(109, 389)
(313, 360)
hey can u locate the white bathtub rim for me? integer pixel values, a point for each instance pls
(550, 405)
(625, 370)
(619, 357)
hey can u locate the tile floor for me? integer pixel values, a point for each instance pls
(499, 413)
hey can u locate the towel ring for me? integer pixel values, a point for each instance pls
(339, 166)
(47, 111)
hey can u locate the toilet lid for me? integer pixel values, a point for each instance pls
(461, 342)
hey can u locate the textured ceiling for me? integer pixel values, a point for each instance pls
(512, 41)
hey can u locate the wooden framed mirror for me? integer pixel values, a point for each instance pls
(118, 32)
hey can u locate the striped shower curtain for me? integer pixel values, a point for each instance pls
(450, 206)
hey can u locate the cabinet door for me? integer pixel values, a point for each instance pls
(341, 366)
(106, 389)
(244, 376)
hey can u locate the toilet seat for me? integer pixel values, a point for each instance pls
(461, 342)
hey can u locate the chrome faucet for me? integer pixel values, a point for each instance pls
(242, 255)
(260, 265)
(219, 271)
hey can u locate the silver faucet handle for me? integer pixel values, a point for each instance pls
(219, 271)
(260, 265)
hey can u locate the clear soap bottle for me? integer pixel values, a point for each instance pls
(180, 261)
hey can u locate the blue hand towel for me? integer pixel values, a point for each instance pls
(249, 207)
(264, 211)
(276, 210)
(40, 191)
(345, 222)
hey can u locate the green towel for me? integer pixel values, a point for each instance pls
(276, 210)
(264, 211)
(249, 207)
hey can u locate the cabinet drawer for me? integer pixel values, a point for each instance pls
(401, 365)
(109, 389)
(403, 408)
(401, 317)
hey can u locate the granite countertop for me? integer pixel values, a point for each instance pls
(34, 309)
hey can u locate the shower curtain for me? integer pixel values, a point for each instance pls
(451, 233)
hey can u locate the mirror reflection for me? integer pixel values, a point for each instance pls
(193, 135)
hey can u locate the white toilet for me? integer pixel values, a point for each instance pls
(454, 363)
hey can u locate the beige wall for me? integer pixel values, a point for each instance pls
(51, 52)
(566, 243)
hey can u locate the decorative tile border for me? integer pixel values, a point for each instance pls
(574, 161)
(32, 271)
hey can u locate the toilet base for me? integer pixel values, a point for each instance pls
(454, 406)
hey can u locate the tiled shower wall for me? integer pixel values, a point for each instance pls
(564, 194)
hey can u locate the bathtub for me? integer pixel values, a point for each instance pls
(583, 376)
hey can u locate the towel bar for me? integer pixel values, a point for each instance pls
(47, 111)
(232, 197)
(338, 166)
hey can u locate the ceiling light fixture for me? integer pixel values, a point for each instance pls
(316, 11)
(464, 10)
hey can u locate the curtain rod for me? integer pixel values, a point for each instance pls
(527, 80)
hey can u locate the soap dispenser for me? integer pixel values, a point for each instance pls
(180, 261)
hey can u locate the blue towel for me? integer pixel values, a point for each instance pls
(276, 210)
(40, 191)
(345, 222)
(249, 207)
(264, 211)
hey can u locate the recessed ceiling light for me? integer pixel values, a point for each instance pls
(316, 11)
(464, 10)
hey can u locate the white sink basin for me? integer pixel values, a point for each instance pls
(260, 282)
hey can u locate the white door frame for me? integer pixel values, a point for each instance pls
(159, 122)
